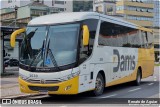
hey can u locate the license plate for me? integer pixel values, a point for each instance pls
(43, 92)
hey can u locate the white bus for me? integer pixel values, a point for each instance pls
(70, 53)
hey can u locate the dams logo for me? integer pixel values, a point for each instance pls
(125, 62)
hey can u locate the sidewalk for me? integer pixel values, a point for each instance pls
(9, 85)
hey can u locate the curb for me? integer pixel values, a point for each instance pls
(19, 96)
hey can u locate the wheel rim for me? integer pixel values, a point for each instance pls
(99, 84)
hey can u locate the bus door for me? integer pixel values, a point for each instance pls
(84, 78)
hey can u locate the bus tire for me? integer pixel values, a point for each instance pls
(138, 78)
(99, 85)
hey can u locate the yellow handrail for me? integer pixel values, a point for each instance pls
(14, 35)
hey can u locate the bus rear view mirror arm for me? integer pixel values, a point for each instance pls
(13, 36)
(85, 35)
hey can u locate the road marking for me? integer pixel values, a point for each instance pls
(134, 90)
(155, 79)
(109, 96)
(151, 84)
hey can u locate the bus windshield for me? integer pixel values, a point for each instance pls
(50, 46)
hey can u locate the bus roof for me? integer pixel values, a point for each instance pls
(78, 16)
(63, 18)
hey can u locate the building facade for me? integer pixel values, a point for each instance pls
(13, 3)
(136, 11)
(82, 5)
(62, 5)
(105, 6)
(23, 14)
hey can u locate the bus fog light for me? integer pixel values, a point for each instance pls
(68, 87)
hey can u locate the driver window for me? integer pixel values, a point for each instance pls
(86, 51)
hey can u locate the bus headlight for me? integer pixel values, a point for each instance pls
(23, 77)
(70, 76)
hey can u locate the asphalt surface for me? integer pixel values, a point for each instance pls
(119, 94)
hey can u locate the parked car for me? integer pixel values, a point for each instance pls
(4, 62)
(5, 65)
(5, 59)
(11, 62)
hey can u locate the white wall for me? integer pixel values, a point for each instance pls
(69, 6)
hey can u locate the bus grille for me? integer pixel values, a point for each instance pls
(45, 82)
(38, 88)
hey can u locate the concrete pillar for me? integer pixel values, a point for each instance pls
(1, 55)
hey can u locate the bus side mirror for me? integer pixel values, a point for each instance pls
(14, 35)
(85, 35)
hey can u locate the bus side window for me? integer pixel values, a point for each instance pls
(144, 39)
(118, 35)
(150, 39)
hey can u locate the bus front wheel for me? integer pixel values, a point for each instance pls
(99, 85)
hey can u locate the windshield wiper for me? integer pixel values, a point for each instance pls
(48, 51)
(40, 52)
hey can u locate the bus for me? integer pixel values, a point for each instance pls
(71, 53)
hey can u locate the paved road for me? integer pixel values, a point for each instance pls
(149, 88)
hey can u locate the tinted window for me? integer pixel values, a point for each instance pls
(147, 39)
(157, 46)
(150, 39)
(118, 35)
(144, 39)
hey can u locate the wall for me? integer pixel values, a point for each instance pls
(108, 8)
(68, 5)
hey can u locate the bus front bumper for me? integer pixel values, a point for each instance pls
(65, 87)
